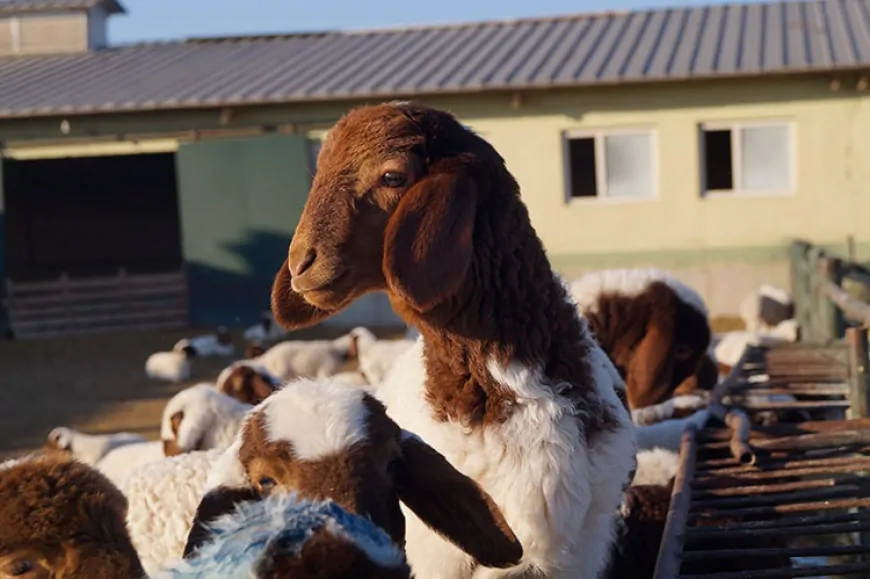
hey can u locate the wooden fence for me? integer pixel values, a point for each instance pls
(821, 281)
(68, 306)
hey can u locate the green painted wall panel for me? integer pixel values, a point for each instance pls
(240, 200)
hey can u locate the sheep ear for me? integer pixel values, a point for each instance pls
(214, 504)
(454, 506)
(428, 240)
(651, 367)
(289, 308)
(256, 388)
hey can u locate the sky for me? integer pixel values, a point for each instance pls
(173, 19)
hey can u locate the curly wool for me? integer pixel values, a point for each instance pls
(240, 539)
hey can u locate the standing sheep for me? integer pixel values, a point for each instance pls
(506, 382)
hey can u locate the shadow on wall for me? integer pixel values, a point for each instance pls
(221, 297)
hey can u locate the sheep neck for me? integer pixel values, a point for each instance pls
(511, 309)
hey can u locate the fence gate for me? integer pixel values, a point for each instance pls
(69, 306)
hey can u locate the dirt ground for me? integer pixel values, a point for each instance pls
(97, 384)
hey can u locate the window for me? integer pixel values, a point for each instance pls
(748, 158)
(610, 165)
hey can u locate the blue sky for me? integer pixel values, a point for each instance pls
(167, 19)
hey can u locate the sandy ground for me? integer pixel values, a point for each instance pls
(96, 383)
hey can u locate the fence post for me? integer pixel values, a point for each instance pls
(859, 379)
(801, 287)
(826, 326)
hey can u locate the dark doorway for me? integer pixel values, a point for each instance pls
(91, 216)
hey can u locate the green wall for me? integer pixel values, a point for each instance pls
(240, 200)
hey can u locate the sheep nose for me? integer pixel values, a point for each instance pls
(301, 261)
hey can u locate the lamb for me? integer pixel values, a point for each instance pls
(87, 448)
(283, 536)
(247, 382)
(653, 326)
(171, 366)
(218, 344)
(705, 377)
(200, 418)
(375, 356)
(266, 330)
(307, 358)
(326, 440)
(506, 381)
(765, 308)
(62, 518)
(163, 496)
(119, 461)
(730, 345)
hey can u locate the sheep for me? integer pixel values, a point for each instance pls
(653, 326)
(667, 434)
(351, 378)
(730, 345)
(506, 381)
(119, 461)
(247, 382)
(765, 308)
(704, 379)
(163, 496)
(307, 358)
(218, 344)
(266, 330)
(87, 448)
(283, 536)
(200, 418)
(326, 440)
(171, 366)
(62, 518)
(375, 356)
(253, 350)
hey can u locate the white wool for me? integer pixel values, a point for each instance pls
(376, 357)
(169, 366)
(211, 418)
(629, 282)
(775, 293)
(304, 358)
(118, 463)
(668, 434)
(318, 418)
(266, 330)
(351, 379)
(252, 363)
(207, 345)
(730, 345)
(656, 466)
(556, 493)
(163, 497)
(666, 409)
(90, 448)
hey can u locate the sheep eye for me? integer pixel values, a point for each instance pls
(21, 567)
(394, 179)
(266, 483)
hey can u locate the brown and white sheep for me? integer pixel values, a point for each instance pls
(247, 382)
(507, 382)
(325, 440)
(653, 326)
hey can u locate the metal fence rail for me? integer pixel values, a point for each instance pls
(782, 500)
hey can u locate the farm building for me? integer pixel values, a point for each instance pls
(698, 139)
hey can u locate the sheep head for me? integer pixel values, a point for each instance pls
(392, 207)
(62, 518)
(325, 440)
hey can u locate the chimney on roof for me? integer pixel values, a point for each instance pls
(45, 27)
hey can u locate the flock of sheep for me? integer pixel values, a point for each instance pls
(525, 426)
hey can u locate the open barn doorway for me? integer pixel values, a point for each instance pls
(93, 243)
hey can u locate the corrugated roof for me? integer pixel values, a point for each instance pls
(642, 46)
(24, 6)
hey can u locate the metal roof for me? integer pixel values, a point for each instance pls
(24, 6)
(642, 46)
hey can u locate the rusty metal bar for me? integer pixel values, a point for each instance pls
(705, 480)
(806, 389)
(732, 491)
(829, 492)
(783, 508)
(789, 552)
(669, 561)
(802, 525)
(815, 571)
(816, 440)
(858, 379)
(855, 462)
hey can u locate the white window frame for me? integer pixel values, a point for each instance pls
(737, 155)
(601, 163)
